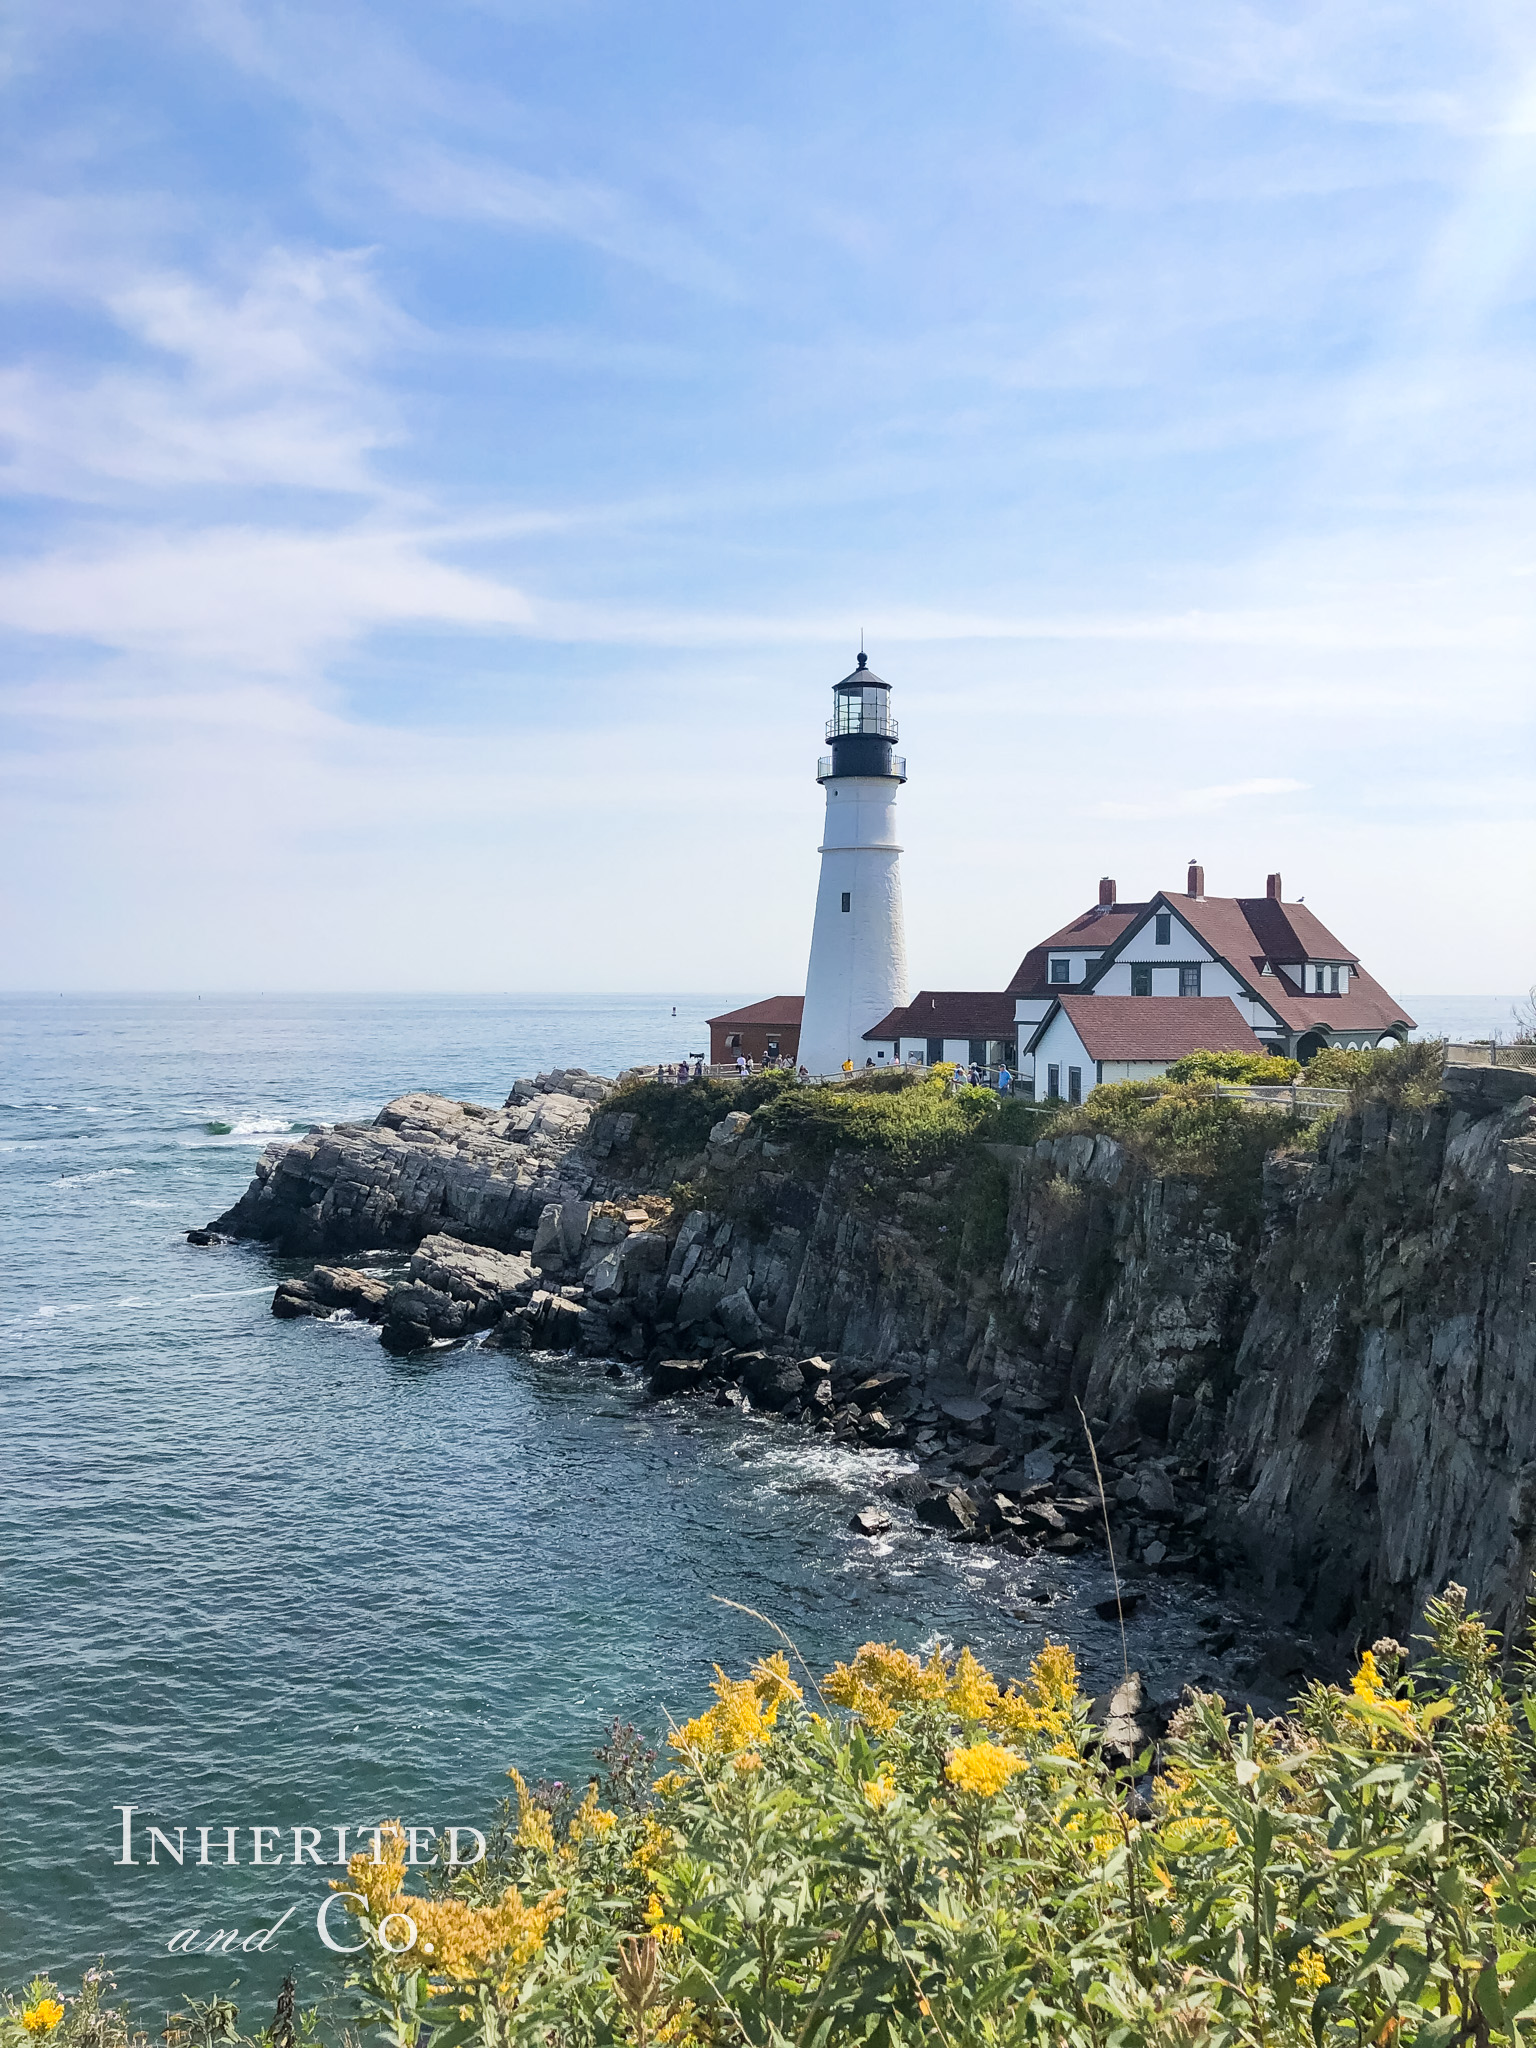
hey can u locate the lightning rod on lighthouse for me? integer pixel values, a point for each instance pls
(858, 965)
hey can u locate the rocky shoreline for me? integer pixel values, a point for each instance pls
(1319, 1406)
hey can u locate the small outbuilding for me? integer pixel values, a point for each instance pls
(1085, 1039)
(768, 1030)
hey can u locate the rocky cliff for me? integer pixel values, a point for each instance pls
(1327, 1391)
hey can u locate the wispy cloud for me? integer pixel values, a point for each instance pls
(1201, 803)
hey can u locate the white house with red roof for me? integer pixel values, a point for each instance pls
(1246, 973)
(1288, 984)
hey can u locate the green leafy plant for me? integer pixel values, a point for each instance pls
(1254, 1069)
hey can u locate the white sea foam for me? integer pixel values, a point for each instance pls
(79, 1180)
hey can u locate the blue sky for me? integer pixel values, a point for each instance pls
(450, 452)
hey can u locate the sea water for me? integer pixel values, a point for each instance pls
(260, 1574)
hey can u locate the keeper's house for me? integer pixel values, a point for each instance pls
(768, 1030)
(1288, 985)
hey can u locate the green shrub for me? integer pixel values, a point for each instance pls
(912, 1126)
(1021, 1122)
(1254, 1069)
(1404, 1076)
(932, 1860)
(1187, 1131)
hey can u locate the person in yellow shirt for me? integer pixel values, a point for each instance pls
(847, 1070)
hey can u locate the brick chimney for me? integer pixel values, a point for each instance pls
(1196, 880)
(1106, 893)
(1272, 888)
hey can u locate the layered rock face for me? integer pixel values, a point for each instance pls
(1381, 1434)
(1355, 1392)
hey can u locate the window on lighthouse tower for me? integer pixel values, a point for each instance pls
(847, 899)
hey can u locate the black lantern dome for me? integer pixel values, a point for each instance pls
(861, 729)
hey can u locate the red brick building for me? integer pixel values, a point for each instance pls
(767, 1030)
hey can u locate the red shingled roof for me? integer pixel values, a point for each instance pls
(1099, 927)
(771, 1010)
(1246, 931)
(950, 1013)
(1153, 1027)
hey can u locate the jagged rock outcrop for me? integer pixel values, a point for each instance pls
(424, 1164)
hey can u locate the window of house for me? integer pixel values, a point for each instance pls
(1333, 981)
(935, 1051)
(773, 1048)
(1053, 1083)
(1074, 1084)
(847, 899)
(733, 1038)
(1163, 924)
(976, 1052)
(1189, 980)
(1061, 970)
(1141, 978)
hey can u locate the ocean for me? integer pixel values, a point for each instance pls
(260, 1575)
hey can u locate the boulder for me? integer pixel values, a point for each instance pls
(365, 1294)
(964, 1408)
(739, 1319)
(294, 1298)
(1038, 1469)
(677, 1375)
(870, 1522)
(772, 1382)
(1154, 1490)
(879, 1388)
(953, 1511)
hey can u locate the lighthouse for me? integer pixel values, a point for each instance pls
(858, 966)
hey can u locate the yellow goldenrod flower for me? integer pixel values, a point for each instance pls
(880, 1791)
(657, 1923)
(1309, 1971)
(535, 1829)
(43, 2017)
(745, 1709)
(983, 1769)
(670, 1782)
(463, 1941)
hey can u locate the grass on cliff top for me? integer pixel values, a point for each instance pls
(911, 1855)
(1184, 1130)
(907, 1115)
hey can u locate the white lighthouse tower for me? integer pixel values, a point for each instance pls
(858, 966)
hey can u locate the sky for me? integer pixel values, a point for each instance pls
(450, 453)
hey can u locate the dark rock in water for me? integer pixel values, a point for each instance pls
(1120, 1609)
(344, 1287)
(772, 1382)
(293, 1298)
(206, 1237)
(870, 1522)
(952, 1511)
(401, 1336)
(677, 1375)
(615, 1372)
